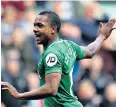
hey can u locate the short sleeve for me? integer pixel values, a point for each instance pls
(79, 51)
(52, 63)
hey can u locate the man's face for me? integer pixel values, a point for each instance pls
(42, 29)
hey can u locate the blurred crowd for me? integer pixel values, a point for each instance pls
(94, 79)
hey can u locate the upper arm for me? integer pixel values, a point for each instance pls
(81, 51)
(52, 80)
(53, 71)
(53, 63)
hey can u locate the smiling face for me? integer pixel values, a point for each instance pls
(42, 29)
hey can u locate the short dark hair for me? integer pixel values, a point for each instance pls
(54, 18)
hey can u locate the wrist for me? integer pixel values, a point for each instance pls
(19, 96)
(102, 37)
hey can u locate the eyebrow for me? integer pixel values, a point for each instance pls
(38, 23)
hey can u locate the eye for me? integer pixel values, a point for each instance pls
(38, 25)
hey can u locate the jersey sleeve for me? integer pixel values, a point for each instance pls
(79, 51)
(52, 63)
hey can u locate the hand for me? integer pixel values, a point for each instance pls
(106, 29)
(10, 88)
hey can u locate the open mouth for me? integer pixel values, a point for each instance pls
(38, 37)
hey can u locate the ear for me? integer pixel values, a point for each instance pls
(54, 29)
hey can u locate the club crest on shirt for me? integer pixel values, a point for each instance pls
(51, 59)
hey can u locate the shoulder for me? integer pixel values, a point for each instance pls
(52, 56)
(55, 48)
(73, 44)
(51, 59)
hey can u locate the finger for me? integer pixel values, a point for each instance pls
(3, 84)
(101, 24)
(5, 88)
(111, 23)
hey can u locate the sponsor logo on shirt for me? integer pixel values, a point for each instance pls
(51, 59)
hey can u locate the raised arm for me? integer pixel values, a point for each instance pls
(104, 32)
(48, 89)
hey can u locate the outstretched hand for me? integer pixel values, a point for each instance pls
(106, 29)
(10, 88)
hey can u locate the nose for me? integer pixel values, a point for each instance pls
(35, 30)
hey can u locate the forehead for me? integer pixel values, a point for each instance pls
(41, 19)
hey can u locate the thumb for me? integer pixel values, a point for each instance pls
(101, 24)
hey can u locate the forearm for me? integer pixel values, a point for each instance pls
(39, 93)
(105, 31)
(96, 45)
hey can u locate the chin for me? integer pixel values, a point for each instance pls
(38, 42)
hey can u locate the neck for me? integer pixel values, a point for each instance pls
(51, 41)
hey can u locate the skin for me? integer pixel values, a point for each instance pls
(46, 34)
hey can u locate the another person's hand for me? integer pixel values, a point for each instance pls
(106, 29)
(10, 88)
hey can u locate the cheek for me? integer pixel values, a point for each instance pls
(44, 37)
(48, 32)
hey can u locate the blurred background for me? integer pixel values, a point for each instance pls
(94, 79)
